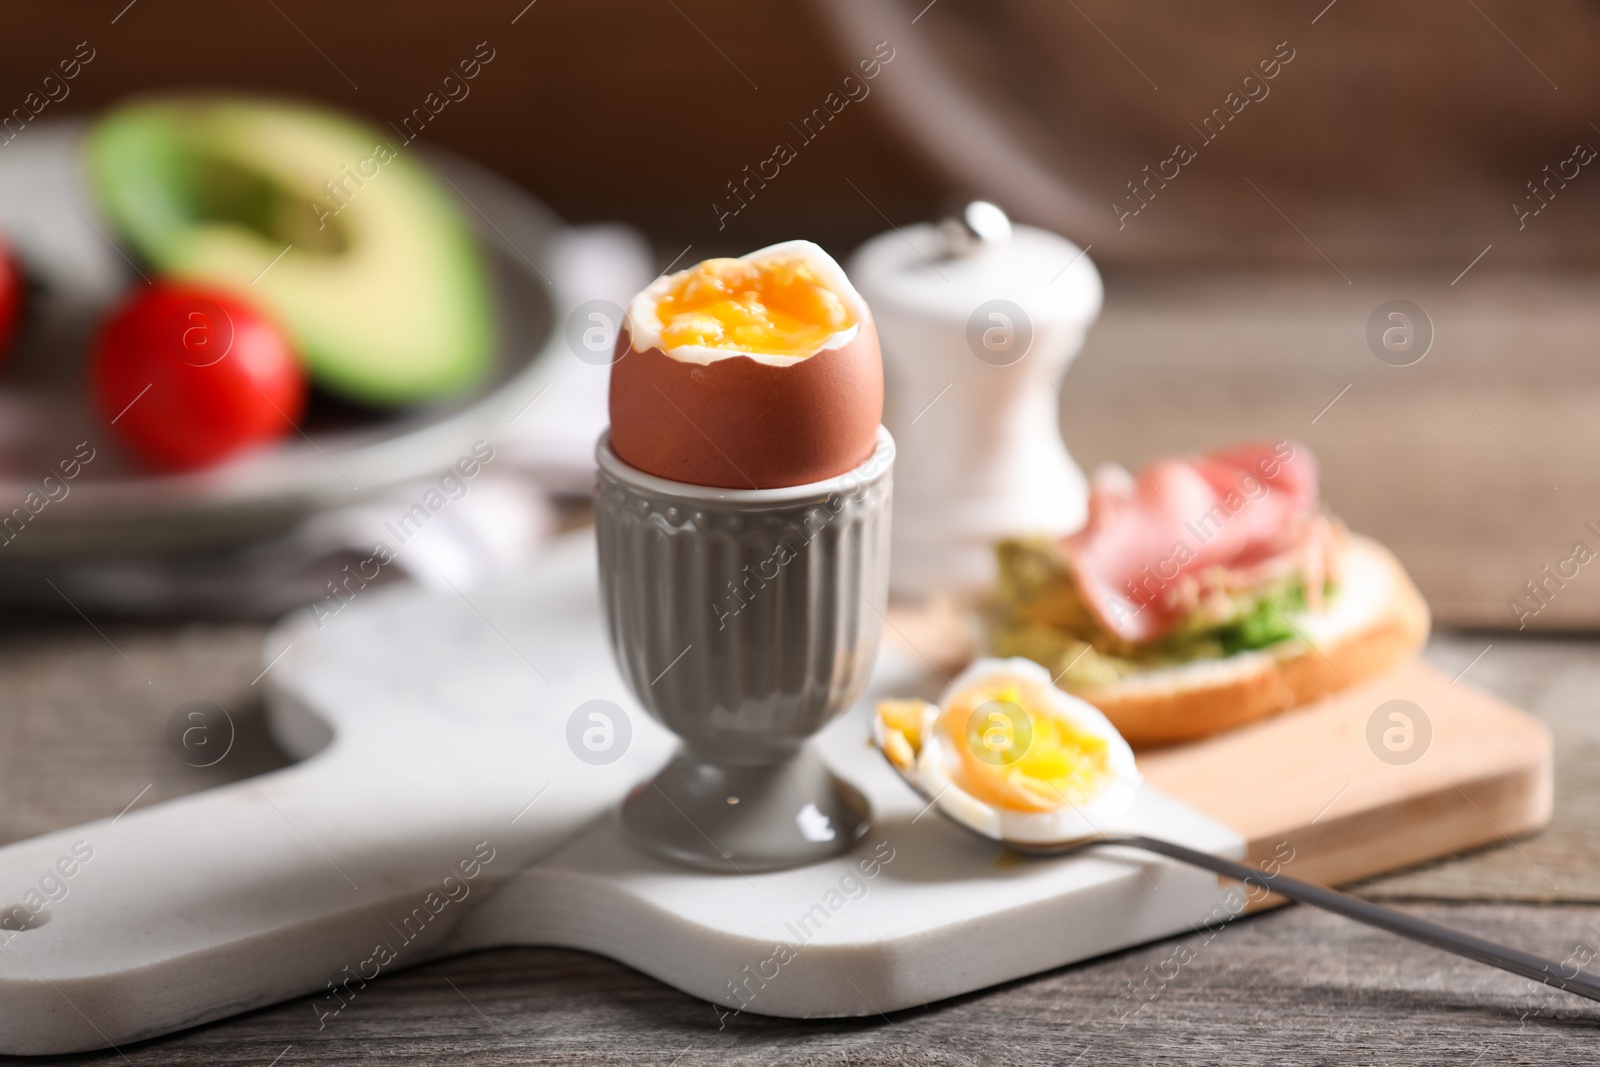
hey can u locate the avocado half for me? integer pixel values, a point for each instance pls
(382, 286)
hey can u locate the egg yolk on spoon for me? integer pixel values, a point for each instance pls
(772, 307)
(1014, 754)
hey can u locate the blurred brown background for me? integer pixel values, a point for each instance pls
(605, 109)
(1383, 164)
(1395, 132)
(1361, 133)
(1381, 160)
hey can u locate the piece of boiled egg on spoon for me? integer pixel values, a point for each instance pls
(1011, 758)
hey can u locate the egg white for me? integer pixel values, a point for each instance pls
(644, 323)
(938, 761)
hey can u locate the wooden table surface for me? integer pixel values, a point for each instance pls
(1475, 464)
(84, 718)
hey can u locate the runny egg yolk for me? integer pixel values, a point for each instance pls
(774, 307)
(1016, 752)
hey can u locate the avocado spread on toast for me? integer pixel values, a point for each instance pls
(1040, 614)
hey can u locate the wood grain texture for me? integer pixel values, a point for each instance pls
(1310, 780)
(1473, 465)
(84, 735)
(1556, 680)
(1288, 987)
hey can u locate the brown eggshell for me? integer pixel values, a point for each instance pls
(739, 424)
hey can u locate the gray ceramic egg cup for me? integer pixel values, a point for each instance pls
(744, 620)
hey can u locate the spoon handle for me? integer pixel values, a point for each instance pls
(1561, 976)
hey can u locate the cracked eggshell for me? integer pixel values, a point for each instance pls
(739, 421)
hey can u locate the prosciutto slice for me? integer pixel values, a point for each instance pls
(1159, 544)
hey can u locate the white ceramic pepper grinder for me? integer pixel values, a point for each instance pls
(978, 320)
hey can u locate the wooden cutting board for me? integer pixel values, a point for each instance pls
(1312, 778)
(439, 808)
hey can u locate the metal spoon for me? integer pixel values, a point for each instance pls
(1396, 922)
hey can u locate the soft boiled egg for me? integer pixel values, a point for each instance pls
(753, 373)
(1008, 754)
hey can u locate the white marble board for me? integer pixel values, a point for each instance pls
(438, 808)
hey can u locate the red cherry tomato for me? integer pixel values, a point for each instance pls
(187, 376)
(11, 293)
